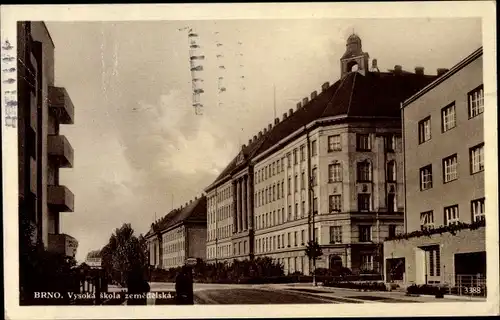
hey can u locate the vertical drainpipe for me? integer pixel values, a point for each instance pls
(311, 200)
(405, 220)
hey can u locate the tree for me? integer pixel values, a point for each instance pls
(124, 253)
(313, 250)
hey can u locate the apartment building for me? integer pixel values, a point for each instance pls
(330, 170)
(43, 151)
(179, 235)
(444, 181)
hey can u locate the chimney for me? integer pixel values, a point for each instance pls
(276, 121)
(284, 116)
(265, 130)
(441, 71)
(243, 146)
(419, 70)
(260, 134)
(190, 201)
(269, 126)
(314, 94)
(249, 141)
(254, 138)
(290, 112)
(305, 101)
(325, 86)
(398, 69)
(195, 198)
(299, 105)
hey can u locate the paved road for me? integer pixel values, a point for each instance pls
(255, 296)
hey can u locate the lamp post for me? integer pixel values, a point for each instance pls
(311, 206)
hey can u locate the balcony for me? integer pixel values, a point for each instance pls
(60, 150)
(60, 198)
(63, 243)
(60, 105)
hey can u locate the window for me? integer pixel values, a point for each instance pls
(314, 147)
(315, 205)
(335, 203)
(303, 209)
(302, 153)
(316, 234)
(296, 210)
(295, 159)
(274, 168)
(303, 180)
(363, 142)
(478, 210)
(283, 188)
(302, 236)
(364, 171)
(391, 202)
(367, 262)
(283, 164)
(296, 183)
(392, 230)
(289, 239)
(450, 168)
(451, 215)
(296, 238)
(424, 130)
(434, 263)
(277, 191)
(336, 234)
(334, 172)
(278, 167)
(334, 143)
(448, 117)
(279, 242)
(390, 143)
(289, 212)
(426, 177)
(476, 102)
(289, 185)
(477, 158)
(363, 201)
(365, 233)
(391, 171)
(289, 160)
(314, 178)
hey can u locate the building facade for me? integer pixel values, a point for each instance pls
(179, 235)
(330, 170)
(444, 181)
(43, 151)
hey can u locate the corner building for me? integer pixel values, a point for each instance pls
(331, 168)
(179, 235)
(43, 151)
(444, 182)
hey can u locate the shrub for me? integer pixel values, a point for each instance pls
(364, 286)
(427, 289)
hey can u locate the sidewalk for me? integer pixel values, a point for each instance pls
(398, 296)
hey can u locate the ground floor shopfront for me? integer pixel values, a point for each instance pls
(437, 259)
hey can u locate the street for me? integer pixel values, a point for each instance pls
(205, 293)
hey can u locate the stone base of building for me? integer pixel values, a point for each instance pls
(440, 259)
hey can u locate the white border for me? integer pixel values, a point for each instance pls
(484, 9)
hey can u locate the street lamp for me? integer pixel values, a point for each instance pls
(311, 205)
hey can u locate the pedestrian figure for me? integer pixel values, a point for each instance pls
(184, 286)
(137, 287)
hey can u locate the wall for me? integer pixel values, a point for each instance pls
(463, 242)
(196, 241)
(219, 222)
(466, 134)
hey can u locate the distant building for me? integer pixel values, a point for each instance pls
(444, 180)
(179, 235)
(43, 107)
(94, 259)
(330, 170)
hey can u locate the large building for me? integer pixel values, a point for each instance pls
(331, 170)
(179, 235)
(444, 181)
(43, 107)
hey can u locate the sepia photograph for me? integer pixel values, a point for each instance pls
(276, 160)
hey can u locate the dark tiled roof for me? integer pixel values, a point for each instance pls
(355, 95)
(194, 212)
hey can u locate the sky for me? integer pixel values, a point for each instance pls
(140, 149)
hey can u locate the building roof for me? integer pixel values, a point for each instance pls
(459, 66)
(194, 211)
(94, 254)
(373, 95)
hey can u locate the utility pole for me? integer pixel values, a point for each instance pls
(311, 199)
